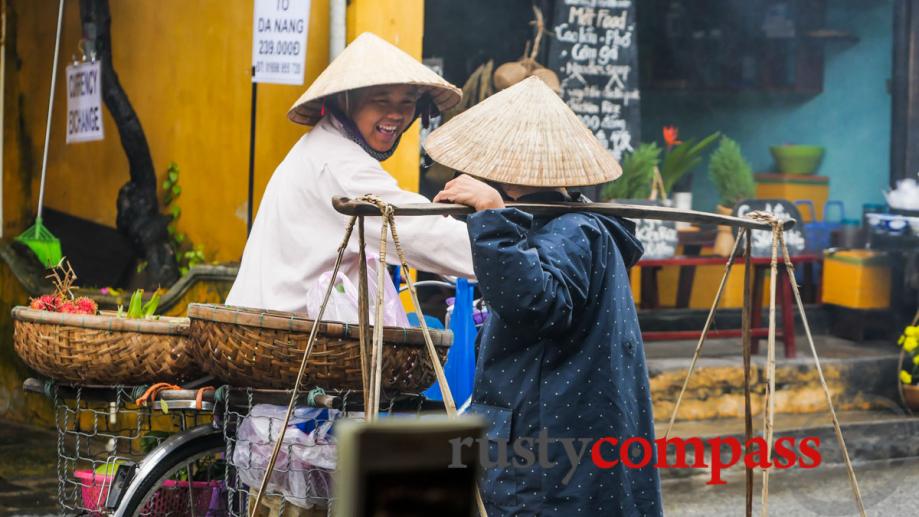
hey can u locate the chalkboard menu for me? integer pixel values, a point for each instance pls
(594, 51)
(659, 238)
(762, 239)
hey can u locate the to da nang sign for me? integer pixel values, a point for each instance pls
(762, 239)
(279, 32)
(594, 51)
(84, 102)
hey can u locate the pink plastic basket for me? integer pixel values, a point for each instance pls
(171, 499)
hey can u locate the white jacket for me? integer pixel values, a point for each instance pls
(296, 233)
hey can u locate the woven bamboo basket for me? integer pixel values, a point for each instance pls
(263, 349)
(103, 349)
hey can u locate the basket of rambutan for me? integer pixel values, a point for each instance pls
(69, 339)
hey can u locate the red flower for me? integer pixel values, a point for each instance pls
(671, 135)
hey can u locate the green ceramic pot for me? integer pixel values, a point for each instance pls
(797, 159)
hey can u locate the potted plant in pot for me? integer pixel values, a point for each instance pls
(679, 158)
(909, 369)
(733, 177)
(637, 174)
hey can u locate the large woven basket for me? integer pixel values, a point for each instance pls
(263, 349)
(103, 349)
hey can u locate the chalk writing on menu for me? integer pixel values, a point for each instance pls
(762, 239)
(595, 54)
(659, 238)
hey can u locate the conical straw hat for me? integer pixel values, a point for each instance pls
(371, 61)
(523, 135)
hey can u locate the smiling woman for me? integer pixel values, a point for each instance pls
(382, 113)
(359, 106)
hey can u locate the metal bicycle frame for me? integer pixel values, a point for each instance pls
(163, 450)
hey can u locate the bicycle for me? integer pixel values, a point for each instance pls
(201, 467)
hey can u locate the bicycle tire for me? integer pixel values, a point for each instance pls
(142, 488)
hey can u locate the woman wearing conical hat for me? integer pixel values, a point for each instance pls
(359, 106)
(561, 374)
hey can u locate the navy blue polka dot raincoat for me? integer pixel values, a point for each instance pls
(561, 365)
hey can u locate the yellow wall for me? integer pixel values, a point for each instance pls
(16, 404)
(185, 66)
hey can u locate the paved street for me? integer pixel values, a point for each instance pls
(28, 461)
(888, 489)
(28, 486)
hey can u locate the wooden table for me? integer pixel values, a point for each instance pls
(761, 267)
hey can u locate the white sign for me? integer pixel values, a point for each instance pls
(279, 30)
(84, 102)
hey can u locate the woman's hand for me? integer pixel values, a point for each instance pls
(469, 191)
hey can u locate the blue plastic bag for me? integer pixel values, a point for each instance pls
(460, 367)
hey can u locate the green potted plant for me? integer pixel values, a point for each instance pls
(637, 174)
(681, 157)
(733, 177)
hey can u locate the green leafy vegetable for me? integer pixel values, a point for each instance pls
(151, 305)
(135, 308)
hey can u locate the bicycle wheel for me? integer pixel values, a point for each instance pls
(183, 476)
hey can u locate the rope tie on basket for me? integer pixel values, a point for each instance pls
(306, 354)
(199, 396)
(388, 214)
(708, 322)
(769, 404)
(153, 391)
(376, 356)
(388, 222)
(778, 240)
(790, 273)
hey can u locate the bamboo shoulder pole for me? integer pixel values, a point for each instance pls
(352, 207)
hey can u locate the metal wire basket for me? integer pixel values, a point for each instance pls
(301, 482)
(103, 434)
(97, 434)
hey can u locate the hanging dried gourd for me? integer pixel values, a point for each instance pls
(510, 74)
(513, 72)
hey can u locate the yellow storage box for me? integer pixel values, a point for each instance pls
(857, 279)
(794, 187)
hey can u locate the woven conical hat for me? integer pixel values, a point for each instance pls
(371, 61)
(524, 135)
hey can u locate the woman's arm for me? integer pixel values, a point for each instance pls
(432, 243)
